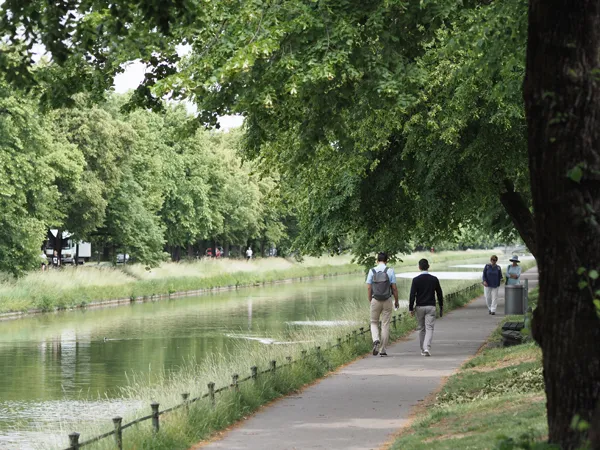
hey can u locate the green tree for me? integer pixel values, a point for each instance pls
(388, 120)
(235, 192)
(188, 207)
(103, 142)
(30, 163)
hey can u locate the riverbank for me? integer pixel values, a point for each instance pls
(496, 400)
(94, 285)
(180, 429)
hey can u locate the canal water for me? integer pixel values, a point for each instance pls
(61, 367)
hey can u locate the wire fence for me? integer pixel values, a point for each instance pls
(317, 352)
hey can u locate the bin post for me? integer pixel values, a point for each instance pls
(513, 299)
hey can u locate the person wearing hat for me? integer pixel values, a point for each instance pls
(513, 271)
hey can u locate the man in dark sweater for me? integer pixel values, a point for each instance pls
(423, 290)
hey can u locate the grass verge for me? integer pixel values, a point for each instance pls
(77, 287)
(495, 401)
(181, 429)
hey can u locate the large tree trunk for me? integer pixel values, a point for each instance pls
(562, 100)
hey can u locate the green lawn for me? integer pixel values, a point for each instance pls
(495, 401)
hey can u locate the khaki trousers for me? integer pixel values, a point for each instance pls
(425, 321)
(384, 310)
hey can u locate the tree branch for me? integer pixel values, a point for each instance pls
(520, 214)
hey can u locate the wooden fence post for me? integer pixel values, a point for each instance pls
(354, 335)
(211, 393)
(234, 382)
(362, 331)
(340, 342)
(185, 397)
(273, 366)
(155, 424)
(74, 441)
(254, 372)
(118, 432)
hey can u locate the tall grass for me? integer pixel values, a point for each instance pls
(71, 287)
(180, 429)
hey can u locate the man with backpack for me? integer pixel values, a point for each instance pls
(381, 282)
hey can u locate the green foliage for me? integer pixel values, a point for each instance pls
(380, 119)
(28, 196)
(128, 182)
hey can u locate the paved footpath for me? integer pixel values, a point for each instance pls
(362, 405)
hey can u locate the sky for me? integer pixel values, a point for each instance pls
(134, 74)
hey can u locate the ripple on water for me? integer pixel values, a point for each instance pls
(444, 275)
(264, 340)
(323, 323)
(49, 423)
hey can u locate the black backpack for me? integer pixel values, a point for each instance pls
(381, 286)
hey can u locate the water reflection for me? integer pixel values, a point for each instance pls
(444, 275)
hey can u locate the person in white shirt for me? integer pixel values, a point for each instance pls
(249, 254)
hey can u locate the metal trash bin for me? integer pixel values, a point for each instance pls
(514, 299)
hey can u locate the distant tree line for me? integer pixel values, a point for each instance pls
(139, 183)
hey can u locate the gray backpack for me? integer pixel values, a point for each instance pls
(381, 287)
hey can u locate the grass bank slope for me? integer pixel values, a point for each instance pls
(495, 401)
(75, 287)
(72, 287)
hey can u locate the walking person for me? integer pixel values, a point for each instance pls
(381, 282)
(513, 271)
(249, 253)
(423, 291)
(55, 260)
(43, 261)
(492, 277)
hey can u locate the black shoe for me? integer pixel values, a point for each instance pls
(490, 312)
(375, 345)
(383, 354)
(493, 313)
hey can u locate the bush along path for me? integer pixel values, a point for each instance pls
(219, 405)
